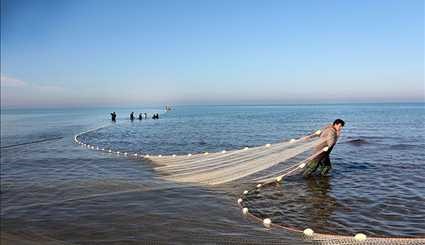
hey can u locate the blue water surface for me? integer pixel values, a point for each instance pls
(58, 191)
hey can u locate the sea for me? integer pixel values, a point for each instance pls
(54, 191)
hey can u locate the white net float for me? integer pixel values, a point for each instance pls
(267, 222)
(308, 232)
(360, 237)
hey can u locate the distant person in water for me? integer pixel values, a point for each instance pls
(140, 116)
(132, 116)
(146, 115)
(322, 161)
(113, 116)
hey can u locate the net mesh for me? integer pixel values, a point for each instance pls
(222, 167)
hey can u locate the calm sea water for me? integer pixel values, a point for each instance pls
(60, 192)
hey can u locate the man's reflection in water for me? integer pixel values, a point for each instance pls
(320, 205)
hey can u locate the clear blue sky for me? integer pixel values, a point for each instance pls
(128, 53)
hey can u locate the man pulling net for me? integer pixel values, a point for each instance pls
(322, 161)
(225, 166)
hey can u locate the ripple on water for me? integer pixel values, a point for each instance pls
(377, 186)
(314, 203)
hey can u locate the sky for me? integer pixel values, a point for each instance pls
(100, 53)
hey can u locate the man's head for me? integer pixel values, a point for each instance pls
(338, 124)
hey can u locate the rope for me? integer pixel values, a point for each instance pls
(321, 238)
(32, 142)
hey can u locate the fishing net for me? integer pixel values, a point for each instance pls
(261, 164)
(264, 164)
(225, 166)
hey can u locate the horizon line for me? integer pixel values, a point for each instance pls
(197, 104)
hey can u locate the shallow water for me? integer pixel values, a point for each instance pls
(59, 191)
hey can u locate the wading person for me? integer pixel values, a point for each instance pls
(132, 116)
(321, 162)
(113, 116)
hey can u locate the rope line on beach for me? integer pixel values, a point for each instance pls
(89, 196)
(31, 142)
